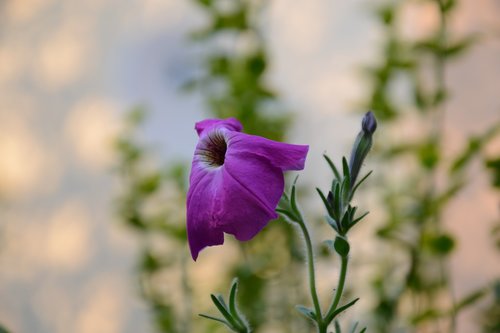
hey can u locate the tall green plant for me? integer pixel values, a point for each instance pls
(413, 280)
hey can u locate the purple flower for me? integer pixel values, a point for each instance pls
(236, 182)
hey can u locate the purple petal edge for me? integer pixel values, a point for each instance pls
(232, 124)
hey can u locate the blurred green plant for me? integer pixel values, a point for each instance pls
(142, 205)
(3, 329)
(232, 316)
(489, 315)
(427, 180)
(234, 79)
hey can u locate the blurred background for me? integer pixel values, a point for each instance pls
(98, 101)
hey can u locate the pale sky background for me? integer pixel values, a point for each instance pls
(70, 69)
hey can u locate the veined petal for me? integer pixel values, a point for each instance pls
(202, 201)
(282, 155)
(252, 188)
(230, 123)
(236, 182)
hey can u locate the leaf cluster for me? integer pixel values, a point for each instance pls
(231, 315)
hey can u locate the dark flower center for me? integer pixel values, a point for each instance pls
(212, 149)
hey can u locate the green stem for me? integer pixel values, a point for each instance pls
(340, 289)
(312, 277)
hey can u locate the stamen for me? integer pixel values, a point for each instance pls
(212, 149)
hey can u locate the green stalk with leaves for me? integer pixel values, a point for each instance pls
(341, 216)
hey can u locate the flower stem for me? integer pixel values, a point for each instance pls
(312, 277)
(340, 289)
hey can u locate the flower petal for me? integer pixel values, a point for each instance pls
(282, 155)
(202, 201)
(230, 123)
(252, 188)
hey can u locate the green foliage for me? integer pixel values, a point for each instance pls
(494, 166)
(234, 83)
(233, 318)
(414, 204)
(3, 329)
(341, 216)
(490, 317)
(143, 184)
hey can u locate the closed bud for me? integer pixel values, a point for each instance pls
(369, 123)
(362, 145)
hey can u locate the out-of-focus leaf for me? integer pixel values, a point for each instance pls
(386, 14)
(461, 161)
(448, 5)
(150, 263)
(470, 300)
(136, 116)
(441, 244)
(453, 49)
(236, 20)
(427, 315)
(148, 184)
(429, 154)
(3, 329)
(459, 47)
(165, 318)
(205, 3)
(495, 232)
(494, 167)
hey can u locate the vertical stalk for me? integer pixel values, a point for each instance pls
(312, 276)
(340, 287)
(441, 114)
(186, 288)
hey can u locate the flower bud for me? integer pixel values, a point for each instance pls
(362, 145)
(369, 123)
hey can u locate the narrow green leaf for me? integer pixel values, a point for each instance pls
(325, 201)
(216, 319)
(354, 327)
(335, 182)
(309, 313)
(341, 309)
(232, 296)
(222, 307)
(347, 173)
(287, 214)
(333, 167)
(337, 201)
(232, 303)
(359, 183)
(345, 191)
(337, 327)
(354, 222)
(333, 223)
(285, 196)
(293, 199)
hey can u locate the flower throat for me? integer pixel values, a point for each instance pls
(213, 150)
